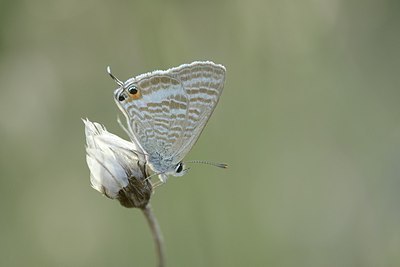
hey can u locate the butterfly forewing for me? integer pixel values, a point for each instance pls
(203, 83)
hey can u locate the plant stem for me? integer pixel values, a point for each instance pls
(157, 235)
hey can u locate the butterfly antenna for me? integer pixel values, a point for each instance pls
(113, 77)
(219, 165)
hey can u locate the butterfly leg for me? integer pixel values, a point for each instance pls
(157, 184)
(123, 126)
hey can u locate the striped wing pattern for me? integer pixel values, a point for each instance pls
(203, 84)
(172, 110)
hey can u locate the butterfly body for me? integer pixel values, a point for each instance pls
(166, 111)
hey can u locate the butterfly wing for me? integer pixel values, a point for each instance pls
(170, 109)
(203, 83)
(155, 115)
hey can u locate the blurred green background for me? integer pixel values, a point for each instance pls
(309, 123)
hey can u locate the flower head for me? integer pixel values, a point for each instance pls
(115, 168)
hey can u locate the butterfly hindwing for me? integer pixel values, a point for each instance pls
(156, 118)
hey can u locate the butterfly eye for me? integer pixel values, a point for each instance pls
(179, 168)
(133, 90)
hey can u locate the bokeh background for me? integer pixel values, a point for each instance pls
(309, 123)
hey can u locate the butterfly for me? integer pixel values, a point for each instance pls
(166, 111)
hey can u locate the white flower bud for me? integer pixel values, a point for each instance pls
(115, 168)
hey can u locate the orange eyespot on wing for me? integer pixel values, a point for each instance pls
(133, 92)
(135, 95)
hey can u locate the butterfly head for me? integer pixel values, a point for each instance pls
(179, 170)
